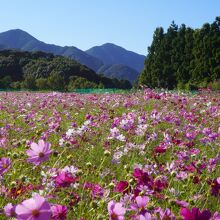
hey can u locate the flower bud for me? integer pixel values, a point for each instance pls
(13, 184)
(173, 173)
(107, 153)
(15, 155)
(111, 185)
(88, 164)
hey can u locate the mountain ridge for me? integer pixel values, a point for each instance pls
(113, 54)
(19, 39)
(94, 58)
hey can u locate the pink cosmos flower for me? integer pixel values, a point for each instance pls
(9, 210)
(59, 212)
(3, 142)
(39, 152)
(116, 211)
(96, 190)
(182, 203)
(141, 176)
(35, 208)
(122, 187)
(190, 135)
(141, 203)
(162, 148)
(146, 216)
(195, 214)
(166, 214)
(216, 216)
(64, 179)
(215, 187)
(5, 164)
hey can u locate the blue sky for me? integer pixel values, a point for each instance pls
(85, 23)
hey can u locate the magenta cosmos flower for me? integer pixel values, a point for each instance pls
(35, 208)
(122, 187)
(64, 179)
(39, 152)
(116, 211)
(195, 214)
(215, 187)
(59, 212)
(5, 164)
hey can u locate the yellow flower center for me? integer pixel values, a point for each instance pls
(35, 213)
(213, 184)
(41, 154)
(114, 216)
(5, 166)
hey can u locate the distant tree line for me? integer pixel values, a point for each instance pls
(43, 71)
(183, 58)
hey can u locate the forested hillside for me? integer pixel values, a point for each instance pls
(95, 58)
(183, 57)
(39, 70)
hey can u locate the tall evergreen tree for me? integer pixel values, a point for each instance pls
(183, 57)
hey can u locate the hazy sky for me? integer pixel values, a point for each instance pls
(85, 23)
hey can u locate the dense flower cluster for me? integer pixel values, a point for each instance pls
(142, 156)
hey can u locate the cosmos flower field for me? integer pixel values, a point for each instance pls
(140, 156)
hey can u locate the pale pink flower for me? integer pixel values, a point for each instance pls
(116, 211)
(5, 164)
(35, 208)
(39, 152)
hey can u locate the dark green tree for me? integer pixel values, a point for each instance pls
(56, 81)
(183, 57)
(29, 82)
(5, 82)
(42, 83)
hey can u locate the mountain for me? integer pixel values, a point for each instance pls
(119, 71)
(40, 70)
(112, 54)
(119, 58)
(19, 39)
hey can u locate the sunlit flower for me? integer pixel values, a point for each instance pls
(195, 214)
(5, 164)
(9, 210)
(36, 208)
(64, 179)
(59, 212)
(39, 152)
(116, 211)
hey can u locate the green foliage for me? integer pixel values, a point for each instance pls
(190, 86)
(41, 83)
(29, 82)
(80, 83)
(5, 82)
(16, 85)
(215, 85)
(39, 70)
(56, 81)
(183, 57)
